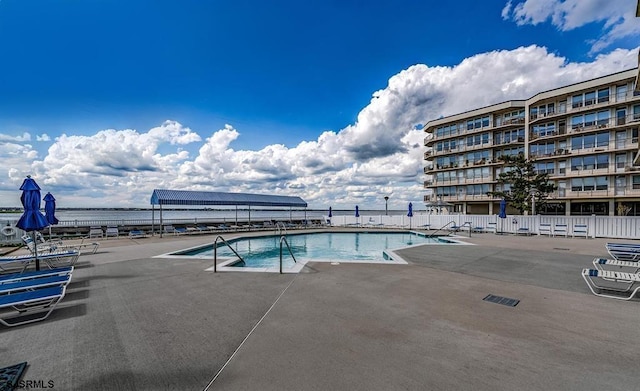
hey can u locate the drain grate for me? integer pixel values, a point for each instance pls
(502, 300)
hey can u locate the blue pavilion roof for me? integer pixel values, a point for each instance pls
(186, 197)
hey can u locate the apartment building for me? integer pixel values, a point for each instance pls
(585, 136)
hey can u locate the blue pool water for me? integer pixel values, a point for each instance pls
(264, 251)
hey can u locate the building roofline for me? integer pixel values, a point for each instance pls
(632, 72)
(482, 110)
(511, 103)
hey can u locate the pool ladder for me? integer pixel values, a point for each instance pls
(280, 228)
(215, 252)
(468, 223)
(283, 239)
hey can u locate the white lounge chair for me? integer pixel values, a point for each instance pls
(491, 228)
(169, 229)
(52, 259)
(523, 231)
(48, 247)
(618, 285)
(604, 264)
(136, 233)
(192, 230)
(28, 294)
(580, 230)
(112, 231)
(96, 232)
(560, 230)
(545, 229)
(9, 278)
(623, 251)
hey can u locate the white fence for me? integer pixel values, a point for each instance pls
(625, 227)
(621, 227)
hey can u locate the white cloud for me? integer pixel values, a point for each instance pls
(25, 137)
(380, 154)
(618, 17)
(43, 137)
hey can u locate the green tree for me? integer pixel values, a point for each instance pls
(521, 180)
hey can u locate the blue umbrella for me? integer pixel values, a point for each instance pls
(32, 219)
(410, 213)
(503, 212)
(50, 210)
(357, 214)
(330, 216)
(503, 209)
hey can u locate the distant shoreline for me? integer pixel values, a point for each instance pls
(20, 210)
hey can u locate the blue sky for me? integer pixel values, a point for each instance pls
(316, 100)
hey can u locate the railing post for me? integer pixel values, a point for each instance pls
(281, 256)
(215, 255)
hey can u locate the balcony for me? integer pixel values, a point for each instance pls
(519, 140)
(428, 154)
(467, 197)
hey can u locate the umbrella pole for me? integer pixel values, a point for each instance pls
(35, 249)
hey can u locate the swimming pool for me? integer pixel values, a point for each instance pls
(262, 253)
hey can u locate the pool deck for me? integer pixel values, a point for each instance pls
(134, 322)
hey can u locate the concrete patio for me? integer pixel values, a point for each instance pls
(134, 322)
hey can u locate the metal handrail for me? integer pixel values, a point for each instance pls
(441, 228)
(280, 227)
(284, 239)
(467, 223)
(215, 252)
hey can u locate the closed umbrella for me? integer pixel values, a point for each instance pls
(357, 215)
(330, 215)
(410, 213)
(503, 212)
(50, 210)
(32, 219)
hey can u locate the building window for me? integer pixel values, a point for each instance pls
(590, 208)
(590, 162)
(590, 141)
(635, 181)
(603, 95)
(590, 183)
(576, 101)
(590, 98)
(621, 92)
(562, 167)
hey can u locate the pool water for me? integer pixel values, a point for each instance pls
(264, 251)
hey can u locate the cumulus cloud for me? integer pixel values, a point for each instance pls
(43, 137)
(380, 154)
(617, 17)
(25, 137)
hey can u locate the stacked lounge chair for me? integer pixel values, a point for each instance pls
(53, 259)
(617, 285)
(31, 296)
(624, 251)
(45, 247)
(617, 278)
